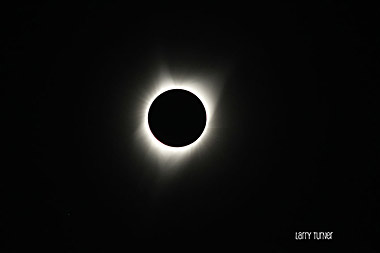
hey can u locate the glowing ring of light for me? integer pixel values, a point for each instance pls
(206, 89)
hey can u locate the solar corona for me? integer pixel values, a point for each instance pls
(176, 118)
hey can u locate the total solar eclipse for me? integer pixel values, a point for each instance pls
(177, 118)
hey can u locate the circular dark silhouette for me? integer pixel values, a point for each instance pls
(177, 118)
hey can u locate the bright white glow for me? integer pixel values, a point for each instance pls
(164, 155)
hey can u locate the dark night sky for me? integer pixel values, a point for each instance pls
(297, 148)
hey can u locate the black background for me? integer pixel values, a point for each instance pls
(297, 147)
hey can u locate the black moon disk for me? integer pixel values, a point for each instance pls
(177, 118)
